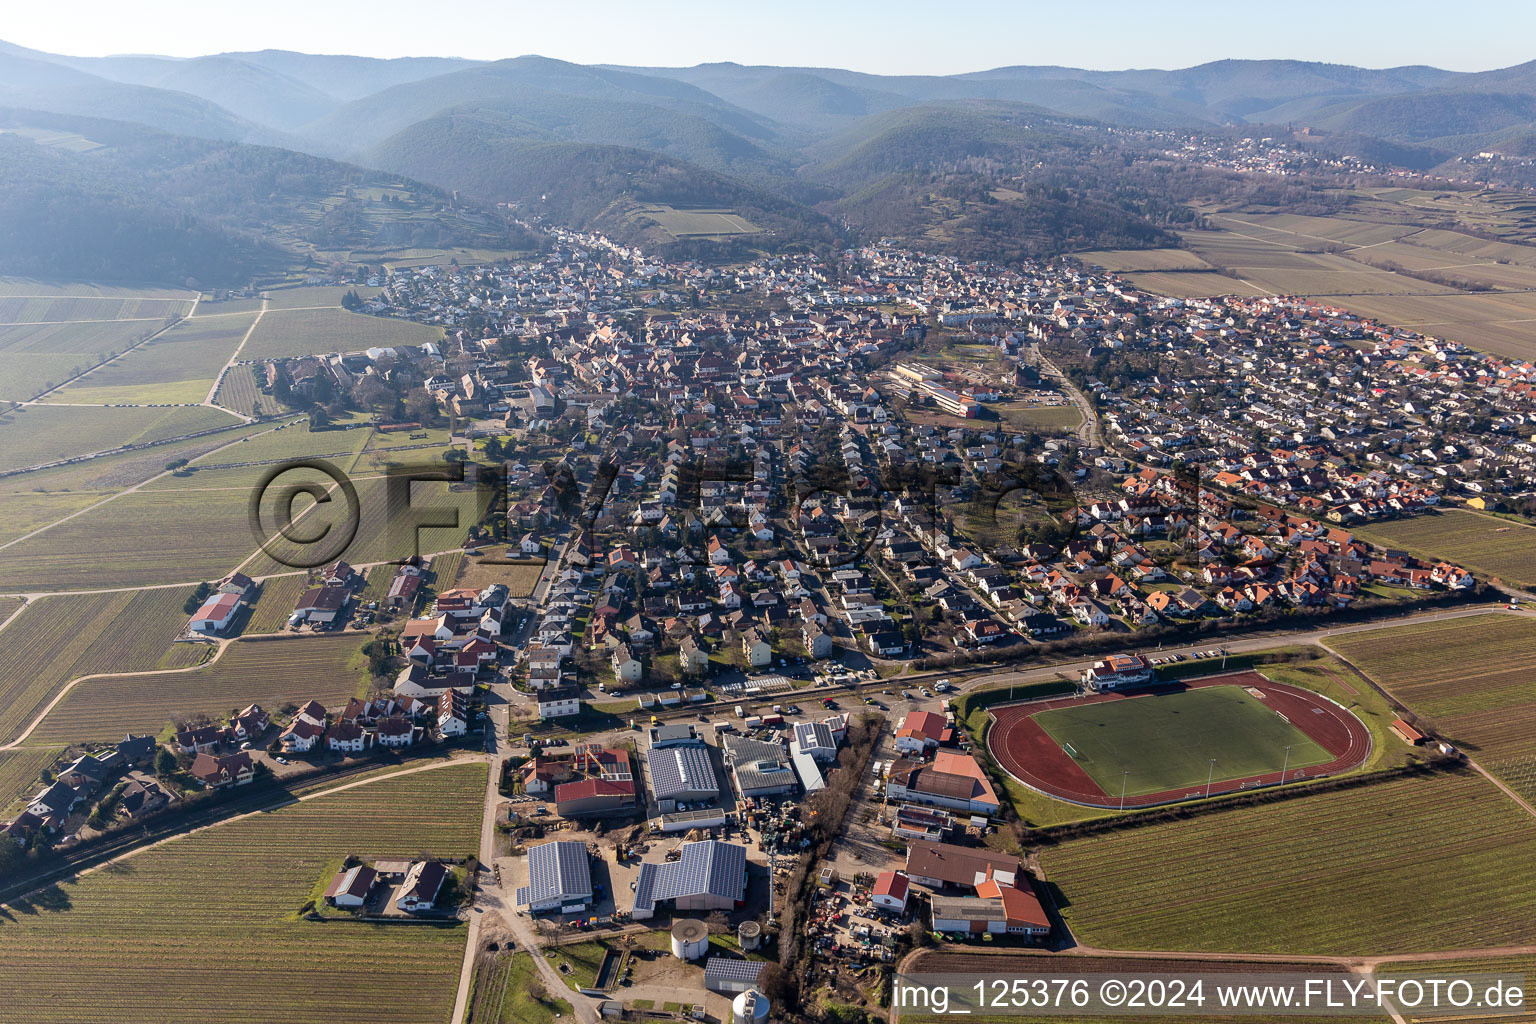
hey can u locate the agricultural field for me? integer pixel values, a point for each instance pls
(111, 473)
(1121, 261)
(270, 672)
(56, 639)
(314, 296)
(1487, 545)
(19, 772)
(178, 366)
(388, 529)
(1470, 679)
(246, 948)
(502, 993)
(1333, 873)
(274, 603)
(299, 332)
(240, 392)
(519, 579)
(294, 440)
(140, 539)
(1388, 255)
(35, 357)
(23, 512)
(32, 435)
(695, 223)
(1506, 965)
(50, 333)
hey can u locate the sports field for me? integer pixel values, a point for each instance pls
(1166, 741)
(1159, 744)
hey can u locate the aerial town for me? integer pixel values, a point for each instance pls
(767, 509)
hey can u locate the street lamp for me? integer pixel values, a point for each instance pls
(1123, 777)
(1208, 777)
(1287, 765)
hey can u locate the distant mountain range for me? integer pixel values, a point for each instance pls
(803, 153)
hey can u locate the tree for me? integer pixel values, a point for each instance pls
(781, 987)
(165, 763)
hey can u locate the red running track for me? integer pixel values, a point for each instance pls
(1030, 755)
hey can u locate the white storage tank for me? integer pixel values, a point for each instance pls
(751, 1007)
(690, 938)
(749, 934)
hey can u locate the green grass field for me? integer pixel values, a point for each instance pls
(272, 672)
(503, 993)
(1350, 872)
(212, 920)
(1165, 740)
(1484, 544)
(1046, 419)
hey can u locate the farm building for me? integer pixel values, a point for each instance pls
(919, 731)
(351, 886)
(996, 908)
(954, 781)
(595, 796)
(216, 614)
(708, 875)
(559, 878)
(322, 604)
(1405, 732)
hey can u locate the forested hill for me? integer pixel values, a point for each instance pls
(110, 201)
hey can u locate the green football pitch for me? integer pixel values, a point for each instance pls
(1166, 741)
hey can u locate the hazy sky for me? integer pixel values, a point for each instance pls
(896, 36)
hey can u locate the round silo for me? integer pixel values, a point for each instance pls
(690, 939)
(749, 934)
(751, 1007)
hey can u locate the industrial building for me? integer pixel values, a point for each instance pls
(681, 774)
(559, 878)
(708, 875)
(729, 976)
(759, 769)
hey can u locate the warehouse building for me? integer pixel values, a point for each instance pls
(731, 976)
(559, 878)
(708, 875)
(759, 769)
(681, 775)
